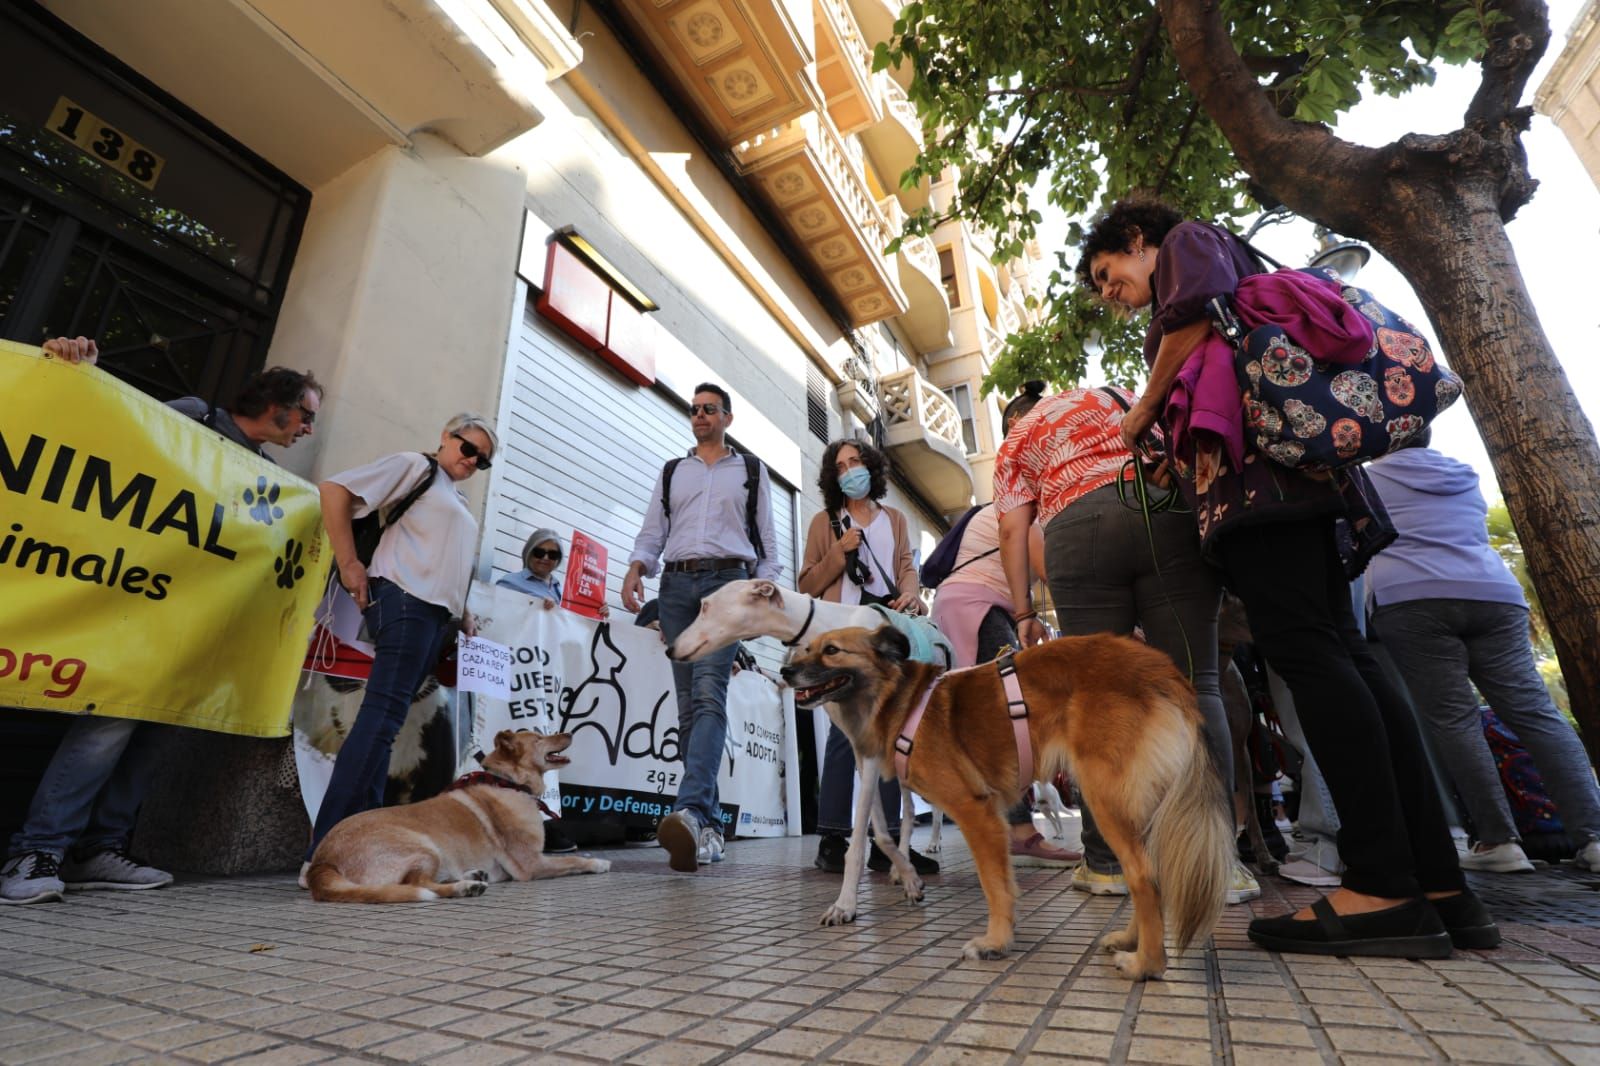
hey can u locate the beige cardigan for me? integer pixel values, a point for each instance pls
(822, 567)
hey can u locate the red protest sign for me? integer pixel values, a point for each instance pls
(585, 590)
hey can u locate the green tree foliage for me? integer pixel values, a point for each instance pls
(1084, 99)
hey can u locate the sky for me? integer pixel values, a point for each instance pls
(1556, 237)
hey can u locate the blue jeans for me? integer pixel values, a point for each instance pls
(1108, 572)
(407, 634)
(1446, 646)
(92, 789)
(702, 689)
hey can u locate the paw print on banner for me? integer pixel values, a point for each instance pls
(288, 566)
(263, 502)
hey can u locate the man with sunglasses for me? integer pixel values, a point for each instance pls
(82, 815)
(707, 537)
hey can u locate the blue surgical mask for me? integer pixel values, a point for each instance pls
(855, 482)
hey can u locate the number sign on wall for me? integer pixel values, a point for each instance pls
(107, 144)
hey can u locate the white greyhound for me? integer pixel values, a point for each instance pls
(743, 610)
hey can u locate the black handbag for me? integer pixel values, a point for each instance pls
(369, 529)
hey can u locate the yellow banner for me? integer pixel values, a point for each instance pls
(149, 568)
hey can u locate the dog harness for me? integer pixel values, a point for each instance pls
(1016, 709)
(484, 777)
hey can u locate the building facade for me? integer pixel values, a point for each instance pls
(562, 215)
(1570, 93)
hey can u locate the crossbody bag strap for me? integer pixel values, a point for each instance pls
(398, 511)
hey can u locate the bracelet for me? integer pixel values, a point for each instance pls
(1025, 615)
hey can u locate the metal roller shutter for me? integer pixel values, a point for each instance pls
(580, 448)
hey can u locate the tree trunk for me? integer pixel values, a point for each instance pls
(1454, 251)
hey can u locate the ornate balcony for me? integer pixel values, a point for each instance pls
(1010, 320)
(743, 62)
(923, 430)
(896, 141)
(928, 319)
(844, 68)
(805, 169)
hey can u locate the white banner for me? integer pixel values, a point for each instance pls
(610, 686)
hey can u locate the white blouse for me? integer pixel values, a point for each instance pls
(430, 551)
(878, 535)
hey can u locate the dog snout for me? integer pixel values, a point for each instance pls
(787, 673)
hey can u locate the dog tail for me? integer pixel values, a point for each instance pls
(328, 885)
(1192, 846)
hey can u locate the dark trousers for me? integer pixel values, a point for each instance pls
(1393, 837)
(407, 634)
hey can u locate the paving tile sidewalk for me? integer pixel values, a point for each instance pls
(728, 965)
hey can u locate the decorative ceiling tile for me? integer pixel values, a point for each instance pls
(813, 221)
(705, 31)
(789, 185)
(741, 86)
(833, 251)
(852, 278)
(870, 306)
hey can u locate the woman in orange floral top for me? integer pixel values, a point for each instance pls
(1108, 572)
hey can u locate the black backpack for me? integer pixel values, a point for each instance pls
(752, 481)
(941, 562)
(369, 529)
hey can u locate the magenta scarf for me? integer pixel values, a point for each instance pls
(1312, 314)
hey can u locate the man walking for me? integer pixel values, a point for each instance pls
(82, 815)
(710, 519)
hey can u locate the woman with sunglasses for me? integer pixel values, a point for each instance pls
(541, 554)
(415, 584)
(857, 551)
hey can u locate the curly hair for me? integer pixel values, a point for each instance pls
(871, 458)
(1115, 230)
(278, 385)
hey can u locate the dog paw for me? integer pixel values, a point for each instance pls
(913, 890)
(837, 915)
(978, 948)
(471, 888)
(932, 847)
(599, 866)
(1119, 941)
(476, 875)
(1129, 966)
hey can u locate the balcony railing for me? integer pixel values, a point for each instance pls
(908, 399)
(1010, 321)
(849, 34)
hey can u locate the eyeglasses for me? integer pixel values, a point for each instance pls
(472, 451)
(307, 415)
(712, 409)
(545, 553)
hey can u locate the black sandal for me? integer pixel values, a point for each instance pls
(1468, 921)
(1412, 930)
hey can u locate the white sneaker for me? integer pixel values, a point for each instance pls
(305, 868)
(1507, 858)
(1244, 885)
(112, 868)
(32, 877)
(710, 849)
(1588, 857)
(1306, 872)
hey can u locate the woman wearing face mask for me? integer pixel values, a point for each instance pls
(857, 551)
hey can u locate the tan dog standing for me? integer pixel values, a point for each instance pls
(456, 843)
(1113, 713)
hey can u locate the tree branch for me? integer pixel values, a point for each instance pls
(1141, 59)
(1516, 45)
(1177, 149)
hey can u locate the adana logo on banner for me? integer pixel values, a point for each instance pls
(610, 686)
(149, 569)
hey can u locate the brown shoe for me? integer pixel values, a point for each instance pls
(1037, 851)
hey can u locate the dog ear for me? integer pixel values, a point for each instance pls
(766, 590)
(890, 643)
(505, 742)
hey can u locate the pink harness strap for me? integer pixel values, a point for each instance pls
(1016, 709)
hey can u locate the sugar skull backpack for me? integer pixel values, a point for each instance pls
(1307, 404)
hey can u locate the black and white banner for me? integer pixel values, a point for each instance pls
(610, 685)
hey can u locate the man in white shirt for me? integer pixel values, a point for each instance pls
(710, 519)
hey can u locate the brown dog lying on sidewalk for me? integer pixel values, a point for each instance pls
(487, 827)
(1114, 714)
